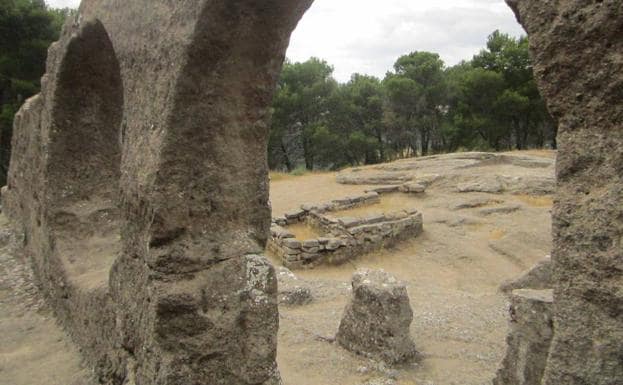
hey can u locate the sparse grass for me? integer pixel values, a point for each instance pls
(536, 200)
(278, 175)
(303, 232)
(299, 171)
(537, 152)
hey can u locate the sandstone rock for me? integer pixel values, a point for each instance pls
(384, 189)
(334, 244)
(281, 221)
(323, 241)
(291, 251)
(371, 196)
(309, 207)
(499, 210)
(376, 321)
(293, 291)
(529, 339)
(389, 178)
(413, 187)
(427, 180)
(580, 78)
(350, 222)
(487, 186)
(532, 185)
(311, 243)
(539, 277)
(280, 232)
(372, 219)
(292, 243)
(343, 202)
(294, 215)
(475, 203)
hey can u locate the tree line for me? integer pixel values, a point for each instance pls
(27, 28)
(420, 107)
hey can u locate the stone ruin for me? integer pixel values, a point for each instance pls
(342, 238)
(577, 50)
(376, 321)
(139, 182)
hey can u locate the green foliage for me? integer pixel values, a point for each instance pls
(421, 106)
(27, 28)
(299, 171)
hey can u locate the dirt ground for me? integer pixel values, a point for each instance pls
(452, 272)
(33, 349)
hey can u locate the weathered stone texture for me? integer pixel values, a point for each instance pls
(529, 339)
(293, 291)
(376, 320)
(538, 277)
(139, 181)
(577, 48)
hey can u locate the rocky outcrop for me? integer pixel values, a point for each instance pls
(576, 48)
(376, 320)
(529, 339)
(539, 277)
(293, 291)
(138, 186)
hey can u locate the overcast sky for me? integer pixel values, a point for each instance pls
(367, 36)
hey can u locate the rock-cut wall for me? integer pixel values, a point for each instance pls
(577, 47)
(139, 182)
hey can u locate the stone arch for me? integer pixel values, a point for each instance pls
(212, 180)
(84, 147)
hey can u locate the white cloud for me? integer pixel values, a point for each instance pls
(367, 36)
(63, 3)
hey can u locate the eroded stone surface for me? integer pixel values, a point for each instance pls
(293, 291)
(139, 179)
(538, 277)
(529, 338)
(376, 321)
(577, 50)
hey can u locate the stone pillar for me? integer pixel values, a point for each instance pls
(150, 135)
(376, 321)
(529, 339)
(577, 49)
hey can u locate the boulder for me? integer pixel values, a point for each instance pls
(376, 321)
(292, 291)
(529, 339)
(538, 277)
(413, 187)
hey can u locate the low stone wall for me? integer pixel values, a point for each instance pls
(300, 215)
(343, 238)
